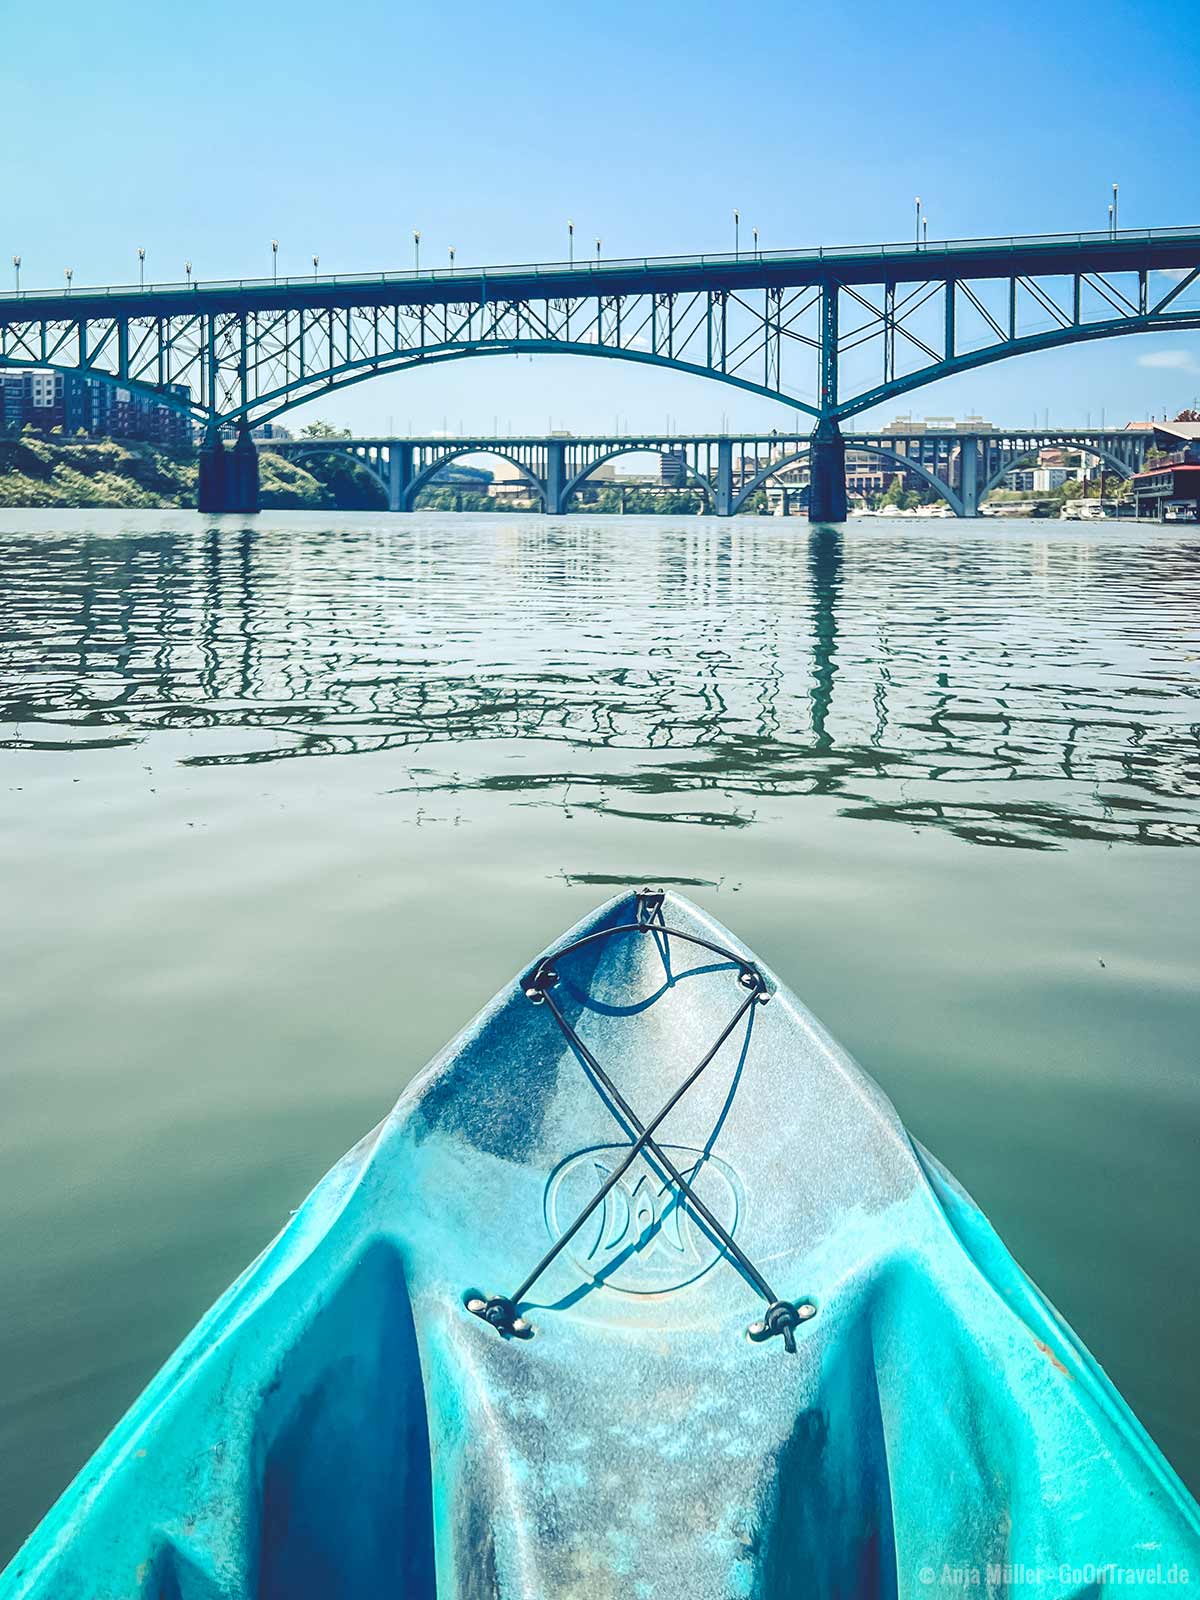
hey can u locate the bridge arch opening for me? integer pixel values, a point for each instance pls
(762, 478)
(355, 482)
(455, 475)
(595, 479)
(1085, 447)
(906, 463)
(268, 406)
(1007, 350)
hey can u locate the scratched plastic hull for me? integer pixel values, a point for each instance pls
(340, 1424)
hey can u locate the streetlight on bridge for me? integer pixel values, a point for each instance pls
(756, 241)
(416, 250)
(17, 272)
(141, 266)
(68, 274)
(597, 249)
(187, 267)
(1112, 226)
(924, 232)
(1114, 211)
(275, 260)
(570, 242)
(451, 258)
(918, 206)
(737, 223)
(316, 264)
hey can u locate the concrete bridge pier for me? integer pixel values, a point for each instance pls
(724, 495)
(242, 477)
(210, 486)
(971, 486)
(399, 476)
(228, 479)
(556, 477)
(827, 473)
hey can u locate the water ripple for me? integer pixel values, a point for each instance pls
(1018, 685)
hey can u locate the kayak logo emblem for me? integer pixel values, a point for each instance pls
(642, 1238)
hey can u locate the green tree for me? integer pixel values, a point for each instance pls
(319, 429)
(897, 495)
(348, 483)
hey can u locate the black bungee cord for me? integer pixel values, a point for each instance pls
(781, 1317)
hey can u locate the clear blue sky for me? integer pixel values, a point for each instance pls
(204, 131)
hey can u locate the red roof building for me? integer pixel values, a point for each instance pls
(1172, 484)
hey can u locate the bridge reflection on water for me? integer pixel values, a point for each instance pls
(1027, 689)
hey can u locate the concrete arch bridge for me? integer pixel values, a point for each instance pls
(961, 466)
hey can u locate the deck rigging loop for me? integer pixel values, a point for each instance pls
(781, 1317)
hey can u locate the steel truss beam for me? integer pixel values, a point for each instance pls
(830, 333)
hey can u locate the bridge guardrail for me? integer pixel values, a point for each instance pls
(730, 258)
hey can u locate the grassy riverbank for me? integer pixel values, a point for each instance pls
(53, 470)
(49, 470)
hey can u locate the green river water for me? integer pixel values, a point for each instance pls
(281, 808)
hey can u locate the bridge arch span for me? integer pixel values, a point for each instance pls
(581, 477)
(268, 403)
(768, 472)
(337, 450)
(1052, 339)
(266, 406)
(424, 478)
(1084, 446)
(286, 396)
(953, 500)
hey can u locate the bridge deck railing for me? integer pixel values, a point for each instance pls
(589, 266)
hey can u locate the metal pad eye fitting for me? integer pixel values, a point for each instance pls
(502, 1314)
(782, 1319)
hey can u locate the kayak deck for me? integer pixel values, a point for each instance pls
(360, 1415)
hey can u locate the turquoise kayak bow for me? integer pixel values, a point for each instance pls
(642, 1290)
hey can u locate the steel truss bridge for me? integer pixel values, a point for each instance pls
(727, 469)
(831, 332)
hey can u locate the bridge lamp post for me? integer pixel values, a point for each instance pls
(755, 241)
(17, 272)
(737, 225)
(316, 264)
(1114, 211)
(1112, 225)
(187, 267)
(451, 258)
(570, 242)
(597, 249)
(68, 274)
(141, 266)
(924, 231)
(275, 260)
(918, 206)
(416, 250)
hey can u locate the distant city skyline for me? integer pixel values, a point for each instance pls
(646, 132)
